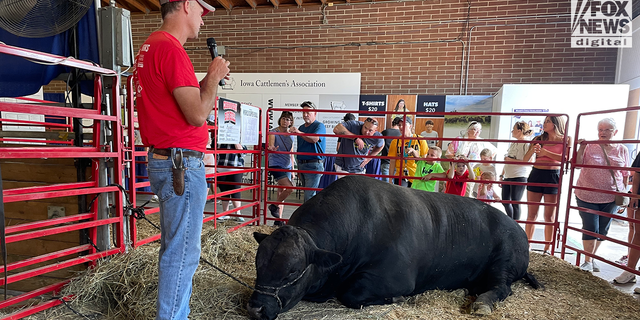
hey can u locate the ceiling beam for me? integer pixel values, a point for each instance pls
(226, 4)
(123, 4)
(299, 2)
(138, 5)
(252, 3)
(275, 3)
(154, 5)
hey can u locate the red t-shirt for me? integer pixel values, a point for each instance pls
(163, 65)
(456, 187)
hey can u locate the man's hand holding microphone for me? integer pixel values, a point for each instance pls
(218, 69)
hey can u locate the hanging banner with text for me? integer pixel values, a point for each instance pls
(430, 104)
(374, 103)
(329, 91)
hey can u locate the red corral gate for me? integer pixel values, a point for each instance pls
(45, 238)
(572, 209)
(329, 174)
(102, 221)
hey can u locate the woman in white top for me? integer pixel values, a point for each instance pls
(515, 172)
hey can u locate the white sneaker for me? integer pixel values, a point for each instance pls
(596, 268)
(154, 198)
(587, 266)
(625, 277)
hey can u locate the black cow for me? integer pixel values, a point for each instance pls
(367, 242)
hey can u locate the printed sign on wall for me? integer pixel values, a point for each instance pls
(229, 118)
(430, 126)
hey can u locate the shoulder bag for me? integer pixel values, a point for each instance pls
(621, 200)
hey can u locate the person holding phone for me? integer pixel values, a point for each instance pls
(282, 143)
(546, 169)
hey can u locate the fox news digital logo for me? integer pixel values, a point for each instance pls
(605, 24)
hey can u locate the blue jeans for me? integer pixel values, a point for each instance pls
(181, 227)
(593, 222)
(384, 170)
(310, 180)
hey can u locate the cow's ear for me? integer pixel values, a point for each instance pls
(259, 236)
(326, 259)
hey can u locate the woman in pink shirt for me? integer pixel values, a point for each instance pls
(546, 169)
(594, 154)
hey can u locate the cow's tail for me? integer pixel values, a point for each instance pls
(532, 281)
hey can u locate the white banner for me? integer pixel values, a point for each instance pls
(329, 91)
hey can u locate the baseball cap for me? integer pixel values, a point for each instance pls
(308, 104)
(401, 119)
(207, 7)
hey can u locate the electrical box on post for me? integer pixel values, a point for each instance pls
(115, 38)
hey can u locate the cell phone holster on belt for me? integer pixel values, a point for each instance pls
(178, 172)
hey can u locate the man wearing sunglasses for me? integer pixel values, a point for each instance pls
(357, 146)
(172, 110)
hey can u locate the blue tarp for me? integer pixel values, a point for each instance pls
(20, 77)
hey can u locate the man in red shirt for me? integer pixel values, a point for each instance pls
(172, 110)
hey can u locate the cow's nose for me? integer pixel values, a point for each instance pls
(254, 312)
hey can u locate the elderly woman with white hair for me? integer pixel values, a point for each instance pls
(470, 149)
(605, 154)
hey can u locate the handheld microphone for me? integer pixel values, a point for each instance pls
(213, 49)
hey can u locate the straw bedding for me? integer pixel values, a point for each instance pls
(125, 287)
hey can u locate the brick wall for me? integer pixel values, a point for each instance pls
(410, 47)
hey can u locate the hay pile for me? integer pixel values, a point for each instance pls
(124, 287)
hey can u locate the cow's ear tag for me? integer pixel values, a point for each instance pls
(259, 236)
(326, 259)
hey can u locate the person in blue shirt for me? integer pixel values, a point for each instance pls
(310, 144)
(282, 143)
(357, 146)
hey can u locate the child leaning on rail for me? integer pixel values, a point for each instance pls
(426, 169)
(480, 168)
(457, 171)
(485, 188)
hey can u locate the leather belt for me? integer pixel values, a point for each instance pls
(309, 161)
(185, 153)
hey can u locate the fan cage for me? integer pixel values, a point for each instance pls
(41, 18)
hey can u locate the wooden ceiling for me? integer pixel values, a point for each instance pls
(148, 6)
